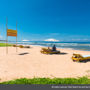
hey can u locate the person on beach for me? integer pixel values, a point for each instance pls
(49, 49)
(54, 48)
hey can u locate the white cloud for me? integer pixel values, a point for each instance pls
(25, 40)
(80, 39)
(51, 39)
(75, 39)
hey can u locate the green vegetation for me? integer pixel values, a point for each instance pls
(4, 44)
(83, 80)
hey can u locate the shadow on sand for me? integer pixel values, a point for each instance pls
(61, 53)
(85, 61)
(23, 53)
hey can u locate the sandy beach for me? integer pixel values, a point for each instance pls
(29, 63)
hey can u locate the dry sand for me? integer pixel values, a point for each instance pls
(34, 64)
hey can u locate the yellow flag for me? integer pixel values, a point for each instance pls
(11, 32)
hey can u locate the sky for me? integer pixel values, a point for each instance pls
(65, 20)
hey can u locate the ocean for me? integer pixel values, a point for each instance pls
(72, 45)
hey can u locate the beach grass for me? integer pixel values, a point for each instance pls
(4, 45)
(82, 80)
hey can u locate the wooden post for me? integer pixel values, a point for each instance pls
(6, 36)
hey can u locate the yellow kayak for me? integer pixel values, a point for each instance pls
(49, 51)
(78, 57)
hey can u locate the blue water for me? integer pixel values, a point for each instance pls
(73, 45)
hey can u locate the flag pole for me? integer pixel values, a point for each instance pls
(16, 37)
(6, 36)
